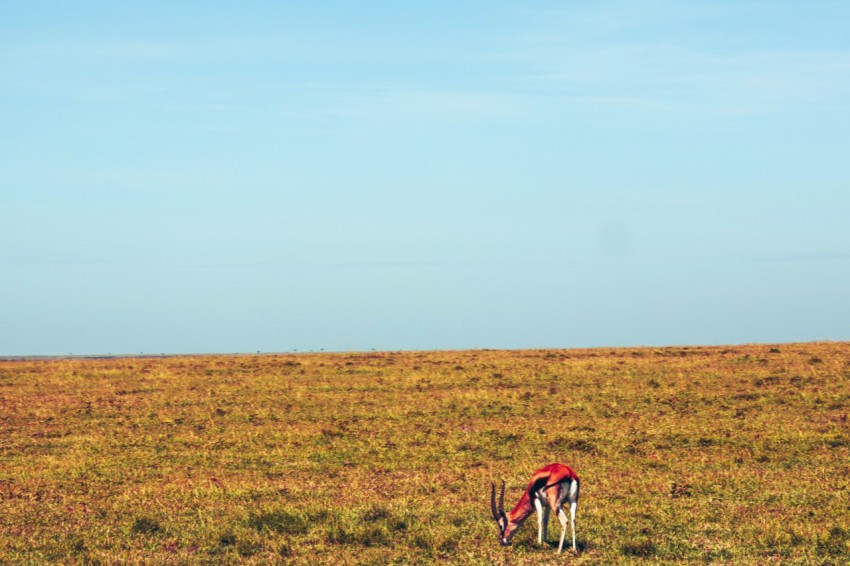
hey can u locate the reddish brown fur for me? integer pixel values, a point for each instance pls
(550, 475)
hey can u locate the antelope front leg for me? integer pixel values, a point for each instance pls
(542, 520)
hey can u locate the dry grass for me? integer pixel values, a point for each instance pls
(729, 455)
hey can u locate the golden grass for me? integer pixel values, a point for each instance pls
(725, 454)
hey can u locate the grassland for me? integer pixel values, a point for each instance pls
(729, 455)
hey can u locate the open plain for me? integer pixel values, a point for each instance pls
(737, 454)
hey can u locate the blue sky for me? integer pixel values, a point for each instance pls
(276, 176)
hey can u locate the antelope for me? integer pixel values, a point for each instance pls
(548, 490)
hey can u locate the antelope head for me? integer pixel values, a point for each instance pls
(499, 514)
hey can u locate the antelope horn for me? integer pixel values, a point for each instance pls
(502, 499)
(493, 501)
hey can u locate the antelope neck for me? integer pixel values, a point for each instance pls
(522, 510)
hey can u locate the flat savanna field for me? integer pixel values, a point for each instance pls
(737, 455)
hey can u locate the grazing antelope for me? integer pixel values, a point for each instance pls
(549, 489)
